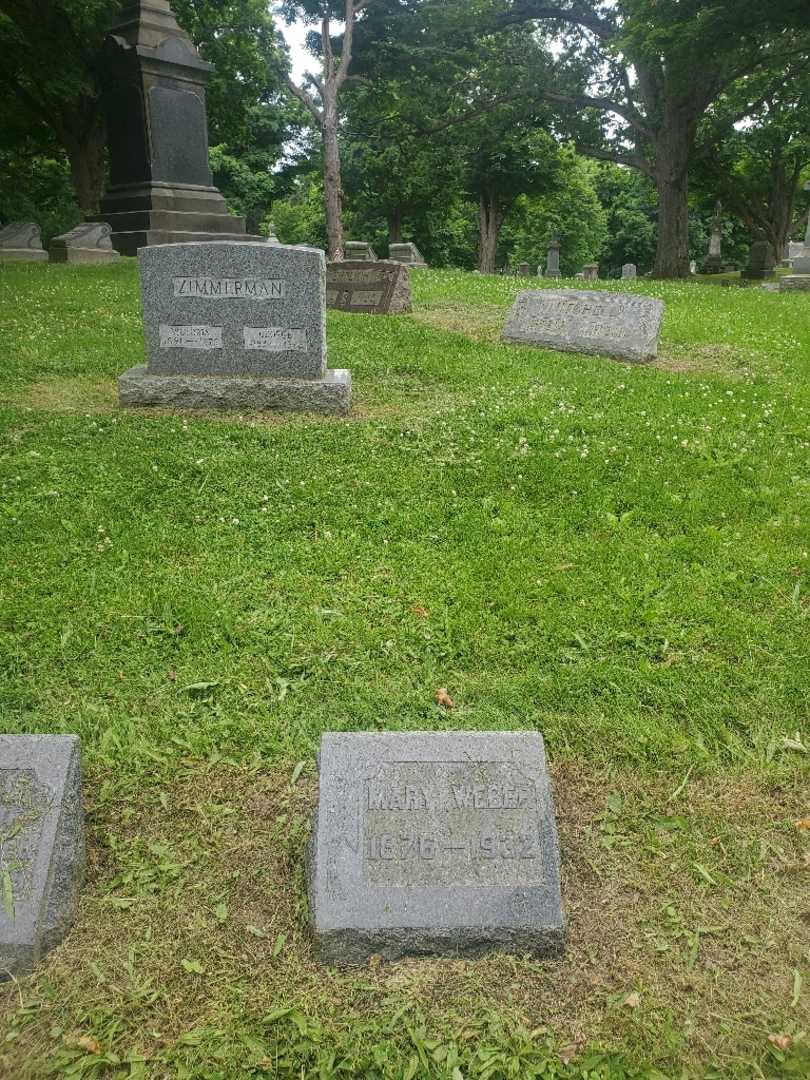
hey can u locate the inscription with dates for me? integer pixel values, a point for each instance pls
(190, 337)
(450, 823)
(24, 803)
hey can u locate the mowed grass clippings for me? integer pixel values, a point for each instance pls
(615, 555)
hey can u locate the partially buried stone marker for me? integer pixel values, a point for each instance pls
(41, 845)
(380, 287)
(233, 325)
(430, 843)
(583, 321)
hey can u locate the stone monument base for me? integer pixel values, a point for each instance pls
(795, 283)
(332, 394)
(22, 255)
(83, 256)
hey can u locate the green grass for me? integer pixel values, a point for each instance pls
(615, 555)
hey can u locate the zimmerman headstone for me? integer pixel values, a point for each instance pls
(21, 241)
(378, 287)
(629, 271)
(406, 253)
(427, 843)
(89, 244)
(41, 845)
(583, 321)
(359, 251)
(235, 326)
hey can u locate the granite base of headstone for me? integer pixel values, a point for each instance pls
(620, 325)
(434, 844)
(629, 271)
(89, 244)
(359, 251)
(406, 253)
(233, 325)
(795, 283)
(377, 287)
(41, 846)
(21, 241)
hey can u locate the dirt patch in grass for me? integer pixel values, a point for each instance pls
(479, 321)
(730, 361)
(687, 915)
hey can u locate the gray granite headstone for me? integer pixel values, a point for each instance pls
(378, 287)
(234, 325)
(359, 251)
(761, 259)
(539, 271)
(41, 845)
(89, 243)
(428, 843)
(21, 241)
(584, 321)
(553, 256)
(590, 271)
(629, 271)
(524, 270)
(406, 253)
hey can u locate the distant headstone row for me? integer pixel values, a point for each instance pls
(360, 251)
(88, 243)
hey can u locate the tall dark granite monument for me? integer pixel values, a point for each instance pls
(161, 189)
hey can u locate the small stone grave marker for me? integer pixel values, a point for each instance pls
(584, 321)
(235, 325)
(431, 842)
(629, 271)
(21, 241)
(406, 253)
(378, 287)
(41, 845)
(359, 251)
(590, 271)
(89, 243)
(553, 256)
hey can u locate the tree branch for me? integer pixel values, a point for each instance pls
(633, 161)
(305, 98)
(348, 41)
(629, 114)
(530, 11)
(326, 45)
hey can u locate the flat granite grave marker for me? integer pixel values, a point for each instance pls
(585, 321)
(21, 241)
(88, 244)
(371, 287)
(41, 845)
(359, 251)
(235, 325)
(427, 843)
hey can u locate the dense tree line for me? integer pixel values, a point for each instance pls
(474, 127)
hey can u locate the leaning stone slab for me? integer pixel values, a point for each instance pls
(434, 843)
(584, 321)
(21, 241)
(235, 325)
(406, 253)
(89, 243)
(41, 845)
(378, 287)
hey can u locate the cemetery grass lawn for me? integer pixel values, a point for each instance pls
(615, 555)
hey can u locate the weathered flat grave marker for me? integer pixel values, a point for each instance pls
(235, 325)
(584, 321)
(428, 843)
(359, 251)
(88, 244)
(21, 241)
(41, 845)
(378, 287)
(406, 253)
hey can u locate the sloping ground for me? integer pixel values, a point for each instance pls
(615, 555)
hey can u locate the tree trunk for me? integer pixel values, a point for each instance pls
(86, 151)
(395, 225)
(672, 152)
(333, 195)
(490, 219)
